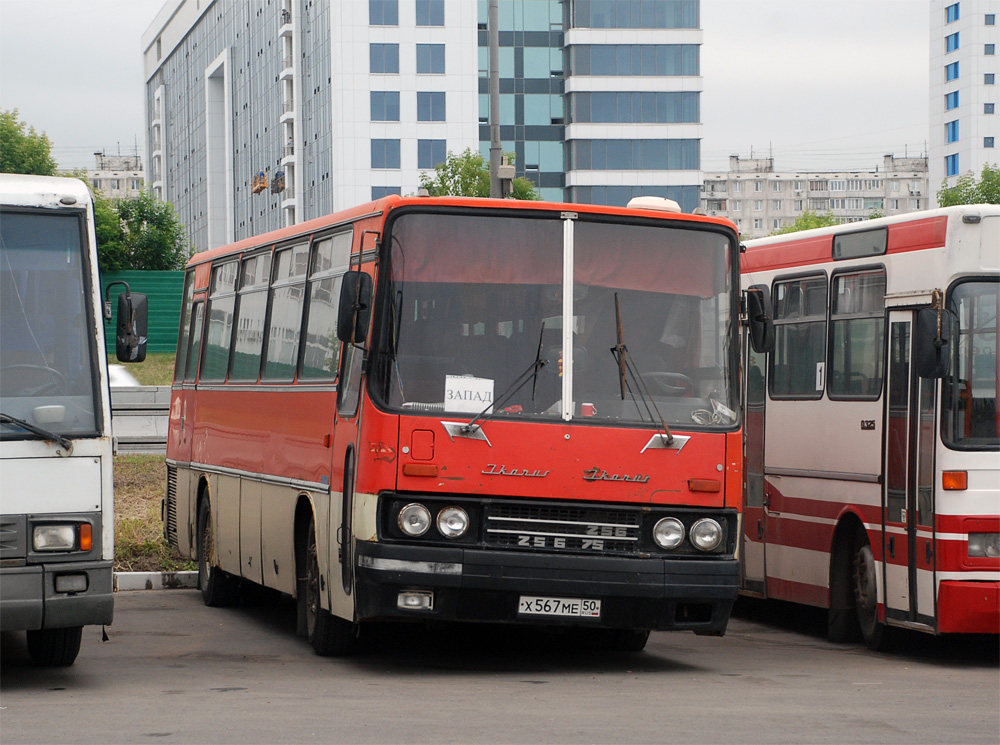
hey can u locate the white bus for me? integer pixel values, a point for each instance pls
(56, 503)
(873, 431)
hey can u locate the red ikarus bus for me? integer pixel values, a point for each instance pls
(460, 409)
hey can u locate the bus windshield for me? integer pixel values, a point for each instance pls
(47, 363)
(971, 419)
(472, 302)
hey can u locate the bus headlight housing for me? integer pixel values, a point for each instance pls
(452, 522)
(54, 537)
(706, 534)
(668, 533)
(414, 520)
(984, 545)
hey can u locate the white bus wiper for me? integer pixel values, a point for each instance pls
(518, 384)
(40, 431)
(626, 365)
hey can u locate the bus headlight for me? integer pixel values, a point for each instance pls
(706, 534)
(414, 520)
(54, 538)
(668, 533)
(985, 545)
(452, 522)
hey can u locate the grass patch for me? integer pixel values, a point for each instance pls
(140, 485)
(156, 369)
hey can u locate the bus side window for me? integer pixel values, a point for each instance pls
(800, 338)
(184, 332)
(194, 346)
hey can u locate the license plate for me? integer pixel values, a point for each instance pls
(529, 605)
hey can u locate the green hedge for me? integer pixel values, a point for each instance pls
(163, 290)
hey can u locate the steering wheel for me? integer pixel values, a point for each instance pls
(669, 383)
(56, 378)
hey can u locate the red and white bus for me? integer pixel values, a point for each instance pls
(873, 476)
(464, 409)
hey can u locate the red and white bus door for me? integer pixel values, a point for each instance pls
(753, 541)
(908, 506)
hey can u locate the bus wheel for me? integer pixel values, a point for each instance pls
(218, 588)
(866, 594)
(328, 634)
(629, 640)
(55, 647)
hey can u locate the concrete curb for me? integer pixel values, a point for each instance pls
(127, 581)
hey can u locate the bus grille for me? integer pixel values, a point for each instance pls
(13, 537)
(570, 528)
(170, 518)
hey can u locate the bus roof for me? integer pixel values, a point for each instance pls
(393, 202)
(42, 191)
(912, 231)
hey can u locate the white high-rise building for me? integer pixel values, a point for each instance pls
(964, 89)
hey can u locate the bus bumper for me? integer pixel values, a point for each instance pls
(968, 607)
(30, 600)
(477, 585)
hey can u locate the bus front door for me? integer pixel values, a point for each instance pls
(908, 496)
(753, 540)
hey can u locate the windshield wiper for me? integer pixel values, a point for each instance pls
(518, 384)
(626, 365)
(40, 431)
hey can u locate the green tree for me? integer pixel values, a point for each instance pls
(142, 233)
(808, 220)
(967, 190)
(22, 149)
(468, 175)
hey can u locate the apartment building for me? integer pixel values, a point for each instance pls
(116, 176)
(266, 113)
(761, 200)
(964, 89)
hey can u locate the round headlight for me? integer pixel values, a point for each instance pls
(414, 519)
(706, 534)
(668, 533)
(452, 522)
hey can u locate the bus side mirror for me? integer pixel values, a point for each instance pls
(760, 319)
(932, 342)
(130, 334)
(355, 310)
(130, 329)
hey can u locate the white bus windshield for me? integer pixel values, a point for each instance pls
(971, 418)
(473, 301)
(47, 369)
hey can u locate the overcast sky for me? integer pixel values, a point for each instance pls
(818, 84)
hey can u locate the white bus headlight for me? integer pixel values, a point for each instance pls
(706, 534)
(54, 538)
(414, 520)
(668, 533)
(452, 522)
(985, 545)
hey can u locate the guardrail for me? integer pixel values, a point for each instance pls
(139, 417)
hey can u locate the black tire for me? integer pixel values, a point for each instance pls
(865, 585)
(218, 588)
(842, 617)
(629, 640)
(55, 647)
(615, 640)
(329, 635)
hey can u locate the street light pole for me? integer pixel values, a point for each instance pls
(496, 190)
